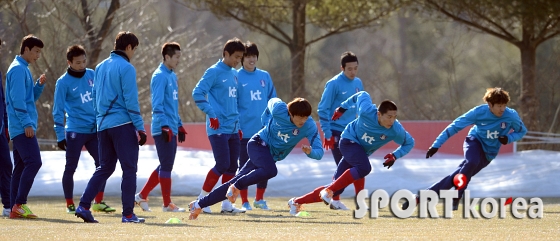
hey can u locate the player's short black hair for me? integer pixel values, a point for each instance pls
(170, 49)
(347, 57)
(299, 107)
(30, 41)
(386, 106)
(233, 45)
(496, 96)
(74, 51)
(125, 38)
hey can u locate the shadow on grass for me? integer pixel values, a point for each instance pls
(56, 220)
(177, 225)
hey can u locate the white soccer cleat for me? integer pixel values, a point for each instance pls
(326, 195)
(227, 207)
(173, 208)
(338, 205)
(294, 207)
(143, 203)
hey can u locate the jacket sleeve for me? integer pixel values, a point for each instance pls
(37, 90)
(360, 100)
(130, 95)
(158, 94)
(17, 95)
(405, 142)
(324, 109)
(315, 143)
(271, 89)
(200, 93)
(519, 129)
(457, 125)
(58, 110)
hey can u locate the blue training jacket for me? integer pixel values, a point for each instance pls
(165, 100)
(72, 96)
(281, 135)
(216, 95)
(337, 90)
(367, 131)
(254, 90)
(21, 94)
(487, 128)
(115, 93)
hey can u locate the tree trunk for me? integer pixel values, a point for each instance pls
(528, 104)
(97, 44)
(297, 49)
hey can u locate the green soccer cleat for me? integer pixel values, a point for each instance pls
(71, 209)
(102, 207)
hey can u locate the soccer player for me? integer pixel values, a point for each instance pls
(21, 94)
(254, 91)
(495, 125)
(6, 165)
(337, 90)
(72, 95)
(165, 123)
(115, 102)
(373, 128)
(285, 125)
(216, 95)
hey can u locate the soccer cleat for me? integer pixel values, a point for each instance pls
(6, 212)
(173, 208)
(85, 214)
(247, 206)
(326, 195)
(102, 207)
(194, 210)
(232, 193)
(142, 203)
(261, 204)
(294, 207)
(21, 211)
(338, 205)
(406, 204)
(71, 209)
(227, 207)
(133, 219)
(455, 204)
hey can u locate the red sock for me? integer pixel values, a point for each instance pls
(342, 181)
(244, 194)
(311, 197)
(336, 198)
(152, 182)
(210, 181)
(260, 194)
(69, 201)
(165, 183)
(359, 184)
(99, 197)
(226, 178)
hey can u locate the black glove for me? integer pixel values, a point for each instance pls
(503, 140)
(166, 133)
(62, 144)
(389, 160)
(431, 152)
(142, 135)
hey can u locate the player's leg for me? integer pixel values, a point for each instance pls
(168, 151)
(260, 157)
(337, 155)
(234, 144)
(16, 177)
(220, 149)
(475, 160)
(243, 158)
(6, 168)
(92, 146)
(259, 197)
(74, 144)
(31, 157)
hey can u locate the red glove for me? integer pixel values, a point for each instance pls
(143, 137)
(338, 113)
(182, 134)
(328, 143)
(214, 123)
(389, 160)
(240, 134)
(166, 133)
(7, 134)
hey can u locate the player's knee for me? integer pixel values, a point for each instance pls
(364, 170)
(272, 172)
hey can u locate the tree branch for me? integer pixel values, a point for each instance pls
(262, 30)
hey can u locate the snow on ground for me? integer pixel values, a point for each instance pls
(523, 174)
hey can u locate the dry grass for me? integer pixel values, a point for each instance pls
(323, 224)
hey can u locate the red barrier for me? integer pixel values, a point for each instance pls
(423, 132)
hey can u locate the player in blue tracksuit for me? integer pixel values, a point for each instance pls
(21, 94)
(337, 90)
(255, 89)
(72, 95)
(115, 102)
(166, 127)
(6, 165)
(216, 95)
(495, 125)
(285, 125)
(370, 131)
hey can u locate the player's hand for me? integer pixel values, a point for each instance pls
(42, 79)
(328, 143)
(306, 149)
(62, 144)
(182, 134)
(7, 134)
(389, 160)
(338, 113)
(143, 137)
(431, 152)
(503, 140)
(240, 134)
(166, 133)
(29, 132)
(214, 123)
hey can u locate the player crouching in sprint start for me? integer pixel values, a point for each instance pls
(285, 125)
(492, 125)
(370, 131)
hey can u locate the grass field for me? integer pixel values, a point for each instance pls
(323, 224)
